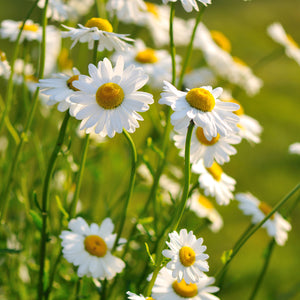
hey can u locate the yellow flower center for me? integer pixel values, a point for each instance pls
(30, 27)
(221, 40)
(205, 202)
(146, 56)
(95, 245)
(101, 24)
(2, 56)
(185, 290)
(203, 140)
(109, 95)
(201, 99)
(152, 8)
(187, 256)
(292, 41)
(149, 298)
(216, 171)
(31, 78)
(239, 61)
(70, 83)
(266, 209)
(240, 111)
(64, 62)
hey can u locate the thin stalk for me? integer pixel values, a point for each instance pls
(78, 288)
(172, 44)
(268, 254)
(254, 229)
(268, 58)
(45, 197)
(101, 9)
(190, 47)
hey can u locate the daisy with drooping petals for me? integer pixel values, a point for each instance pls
(60, 88)
(97, 29)
(4, 66)
(89, 248)
(294, 148)
(188, 261)
(110, 99)
(215, 182)
(188, 5)
(56, 9)
(278, 34)
(218, 148)
(203, 208)
(202, 106)
(166, 287)
(276, 225)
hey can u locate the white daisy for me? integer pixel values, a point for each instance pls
(79, 7)
(97, 29)
(215, 182)
(199, 77)
(23, 70)
(203, 208)
(203, 107)
(188, 260)
(276, 225)
(133, 296)
(218, 148)
(56, 9)
(10, 29)
(294, 148)
(60, 88)
(4, 66)
(278, 34)
(110, 99)
(166, 287)
(89, 248)
(189, 5)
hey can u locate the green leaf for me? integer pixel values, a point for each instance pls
(61, 208)
(149, 254)
(226, 256)
(37, 220)
(10, 251)
(145, 221)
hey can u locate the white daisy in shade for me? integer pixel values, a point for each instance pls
(204, 208)
(294, 148)
(276, 225)
(56, 9)
(189, 5)
(188, 261)
(198, 77)
(166, 287)
(215, 182)
(109, 98)
(88, 247)
(80, 8)
(133, 296)
(10, 29)
(59, 89)
(218, 148)
(4, 66)
(202, 106)
(278, 34)
(97, 29)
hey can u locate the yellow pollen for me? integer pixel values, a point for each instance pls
(266, 209)
(221, 40)
(292, 41)
(201, 99)
(30, 27)
(216, 171)
(149, 298)
(64, 62)
(187, 256)
(205, 202)
(101, 24)
(146, 56)
(239, 61)
(2, 56)
(203, 140)
(70, 83)
(240, 111)
(152, 8)
(185, 290)
(109, 95)
(95, 245)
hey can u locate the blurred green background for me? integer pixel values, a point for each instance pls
(267, 170)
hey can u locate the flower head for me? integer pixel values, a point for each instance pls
(189, 5)
(294, 148)
(133, 296)
(56, 9)
(276, 225)
(188, 262)
(4, 65)
(88, 247)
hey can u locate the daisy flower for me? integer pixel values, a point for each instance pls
(188, 5)
(59, 89)
(218, 148)
(133, 296)
(278, 34)
(88, 247)
(4, 66)
(97, 29)
(165, 287)
(198, 77)
(188, 261)
(215, 182)
(56, 9)
(202, 106)
(80, 8)
(276, 225)
(204, 208)
(109, 98)
(10, 29)
(294, 148)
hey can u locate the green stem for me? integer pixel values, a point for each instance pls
(190, 47)
(268, 58)
(172, 44)
(45, 198)
(268, 254)
(254, 229)
(101, 9)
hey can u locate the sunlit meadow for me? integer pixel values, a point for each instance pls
(149, 150)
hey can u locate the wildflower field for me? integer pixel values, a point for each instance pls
(149, 149)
